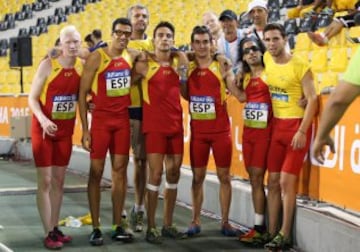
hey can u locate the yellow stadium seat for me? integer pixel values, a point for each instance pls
(302, 54)
(338, 60)
(338, 41)
(329, 79)
(303, 43)
(353, 32)
(319, 62)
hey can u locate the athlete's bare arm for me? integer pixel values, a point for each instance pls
(39, 80)
(182, 70)
(87, 77)
(299, 139)
(230, 81)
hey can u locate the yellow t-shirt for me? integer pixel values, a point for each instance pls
(284, 81)
(135, 91)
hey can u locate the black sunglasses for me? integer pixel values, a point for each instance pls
(251, 48)
(120, 33)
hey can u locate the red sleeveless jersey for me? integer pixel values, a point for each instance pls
(258, 109)
(111, 87)
(162, 110)
(207, 105)
(58, 98)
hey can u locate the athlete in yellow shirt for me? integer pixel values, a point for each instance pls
(289, 78)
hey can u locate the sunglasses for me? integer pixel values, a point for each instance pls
(251, 48)
(120, 33)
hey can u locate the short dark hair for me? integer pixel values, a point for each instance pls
(258, 43)
(88, 38)
(164, 24)
(123, 21)
(200, 30)
(275, 26)
(97, 33)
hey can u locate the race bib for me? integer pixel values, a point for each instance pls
(118, 83)
(202, 108)
(64, 107)
(256, 115)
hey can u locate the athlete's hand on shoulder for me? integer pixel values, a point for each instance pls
(86, 140)
(319, 148)
(49, 127)
(54, 52)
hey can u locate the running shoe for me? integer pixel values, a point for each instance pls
(137, 220)
(279, 242)
(153, 236)
(228, 230)
(255, 238)
(194, 229)
(96, 238)
(122, 233)
(172, 232)
(61, 236)
(51, 241)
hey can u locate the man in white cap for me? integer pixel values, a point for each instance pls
(258, 14)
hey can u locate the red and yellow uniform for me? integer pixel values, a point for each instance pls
(135, 90)
(257, 116)
(284, 81)
(210, 126)
(58, 100)
(110, 92)
(162, 112)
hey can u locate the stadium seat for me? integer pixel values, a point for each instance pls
(4, 25)
(319, 62)
(34, 30)
(339, 40)
(307, 24)
(323, 21)
(291, 26)
(338, 60)
(303, 43)
(329, 79)
(23, 32)
(290, 3)
(353, 34)
(274, 16)
(274, 4)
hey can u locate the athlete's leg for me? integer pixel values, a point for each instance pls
(289, 189)
(172, 164)
(94, 196)
(155, 172)
(43, 198)
(119, 165)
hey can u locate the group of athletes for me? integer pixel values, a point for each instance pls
(135, 84)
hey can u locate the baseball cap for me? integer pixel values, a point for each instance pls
(229, 14)
(256, 3)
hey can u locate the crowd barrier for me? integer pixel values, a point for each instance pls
(335, 182)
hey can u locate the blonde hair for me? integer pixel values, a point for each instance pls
(69, 29)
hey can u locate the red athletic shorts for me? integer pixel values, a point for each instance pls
(256, 144)
(163, 143)
(51, 151)
(220, 143)
(109, 133)
(282, 157)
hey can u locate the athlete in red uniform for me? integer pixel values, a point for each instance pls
(107, 74)
(162, 126)
(52, 99)
(210, 126)
(257, 116)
